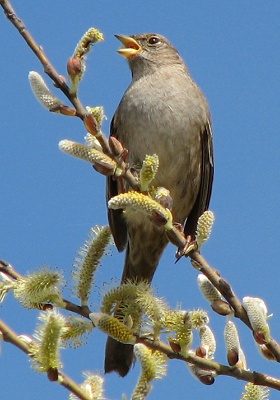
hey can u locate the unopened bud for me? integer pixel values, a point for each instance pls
(265, 352)
(175, 347)
(45, 307)
(204, 376)
(201, 352)
(115, 146)
(104, 168)
(91, 124)
(221, 307)
(52, 374)
(158, 218)
(232, 357)
(74, 66)
(259, 337)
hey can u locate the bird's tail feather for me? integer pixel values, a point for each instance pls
(119, 357)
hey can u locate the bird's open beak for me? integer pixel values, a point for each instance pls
(131, 46)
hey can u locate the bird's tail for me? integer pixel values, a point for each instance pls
(119, 357)
(140, 265)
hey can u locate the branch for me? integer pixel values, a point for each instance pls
(8, 270)
(40, 54)
(256, 378)
(205, 364)
(175, 237)
(10, 336)
(199, 262)
(49, 69)
(84, 311)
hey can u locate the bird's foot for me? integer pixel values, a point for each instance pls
(190, 245)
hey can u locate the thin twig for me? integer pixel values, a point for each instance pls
(60, 84)
(199, 262)
(72, 386)
(11, 337)
(256, 378)
(40, 54)
(9, 270)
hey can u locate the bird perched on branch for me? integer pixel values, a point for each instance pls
(162, 112)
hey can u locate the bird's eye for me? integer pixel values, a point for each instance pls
(153, 40)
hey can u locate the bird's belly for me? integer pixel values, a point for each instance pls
(179, 165)
(166, 129)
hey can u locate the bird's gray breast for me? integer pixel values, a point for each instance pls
(164, 117)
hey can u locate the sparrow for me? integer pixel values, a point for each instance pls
(162, 112)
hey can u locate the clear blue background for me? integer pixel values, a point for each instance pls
(49, 201)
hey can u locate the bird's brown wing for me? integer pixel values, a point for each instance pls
(207, 172)
(115, 217)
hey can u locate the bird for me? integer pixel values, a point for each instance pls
(162, 112)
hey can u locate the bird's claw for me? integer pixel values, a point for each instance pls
(186, 249)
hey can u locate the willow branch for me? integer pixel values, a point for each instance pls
(219, 369)
(60, 84)
(8, 269)
(11, 337)
(42, 57)
(256, 378)
(199, 262)
(72, 386)
(83, 311)
(174, 235)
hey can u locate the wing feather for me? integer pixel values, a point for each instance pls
(115, 217)
(207, 173)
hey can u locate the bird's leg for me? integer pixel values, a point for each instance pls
(189, 245)
(121, 188)
(185, 243)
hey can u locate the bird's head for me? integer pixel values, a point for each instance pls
(147, 52)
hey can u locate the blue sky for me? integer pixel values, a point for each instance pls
(49, 201)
